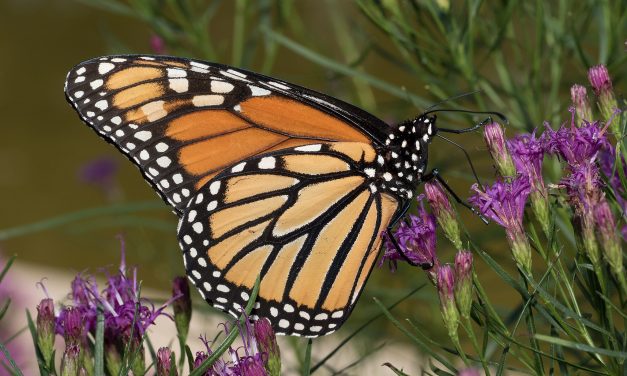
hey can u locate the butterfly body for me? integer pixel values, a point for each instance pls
(268, 179)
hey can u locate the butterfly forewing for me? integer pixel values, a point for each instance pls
(304, 218)
(183, 121)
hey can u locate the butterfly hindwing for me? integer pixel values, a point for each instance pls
(305, 219)
(183, 121)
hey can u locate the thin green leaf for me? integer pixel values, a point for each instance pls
(307, 360)
(14, 368)
(582, 347)
(7, 266)
(80, 215)
(43, 367)
(417, 340)
(99, 344)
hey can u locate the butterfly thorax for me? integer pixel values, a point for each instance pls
(401, 163)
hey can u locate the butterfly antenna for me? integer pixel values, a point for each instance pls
(451, 99)
(472, 167)
(495, 113)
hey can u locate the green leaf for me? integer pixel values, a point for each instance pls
(99, 343)
(80, 215)
(13, 367)
(582, 346)
(425, 347)
(41, 362)
(307, 361)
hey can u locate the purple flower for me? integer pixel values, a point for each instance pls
(576, 145)
(101, 173)
(446, 291)
(416, 239)
(579, 97)
(463, 285)
(494, 137)
(441, 207)
(164, 364)
(157, 44)
(266, 340)
(71, 326)
(182, 306)
(528, 152)
(504, 202)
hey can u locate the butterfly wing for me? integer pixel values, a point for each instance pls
(183, 121)
(307, 219)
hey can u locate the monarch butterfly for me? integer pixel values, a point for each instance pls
(267, 178)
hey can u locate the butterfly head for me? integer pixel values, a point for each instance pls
(404, 159)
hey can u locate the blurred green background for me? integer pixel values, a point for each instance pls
(392, 58)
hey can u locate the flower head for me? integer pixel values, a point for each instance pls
(608, 234)
(441, 207)
(182, 306)
(495, 140)
(576, 145)
(157, 44)
(266, 340)
(602, 84)
(446, 291)
(164, 362)
(463, 285)
(579, 97)
(46, 328)
(416, 239)
(70, 325)
(528, 152)
(504, 202)
(609, 167)
(101, 173)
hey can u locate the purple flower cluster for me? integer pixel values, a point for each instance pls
(259, 355)
(416, 238)
(584, 147)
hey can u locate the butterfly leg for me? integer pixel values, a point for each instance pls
(435, 174)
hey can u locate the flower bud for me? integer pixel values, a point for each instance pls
(444, 213)
(182, 306)
(602, 84)
(495, 140)
(70, 364)
(463, 284)
(446, 290)
(609, 238)
(164, 362)
(579, 96)
(266, 340)
(45, 328)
